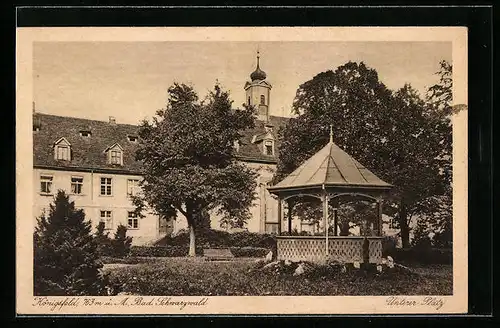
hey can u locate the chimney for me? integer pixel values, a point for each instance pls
(112, 120)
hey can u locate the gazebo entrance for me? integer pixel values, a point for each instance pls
(328, 175)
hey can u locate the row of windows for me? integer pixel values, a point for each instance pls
(77, 185)
(107, 217)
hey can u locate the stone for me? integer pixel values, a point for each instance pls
(270, 265)
(384, 261)
(357, 265)
(379, 268)
(288, 262)
(300, 270)
(269, 256)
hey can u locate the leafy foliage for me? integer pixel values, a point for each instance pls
(121, 242)
(103, 241)
(189, 159)
(65, 253)
(219, 238)
(397, 135)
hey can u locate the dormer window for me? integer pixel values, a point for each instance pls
(115, 155)
(132, 138)
(62, 150)
(85, 133)
(269, 147)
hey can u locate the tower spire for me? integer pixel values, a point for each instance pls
(331, 133)
(258, 58)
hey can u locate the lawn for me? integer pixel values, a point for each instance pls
(196, 277)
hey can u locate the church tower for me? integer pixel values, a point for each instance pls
(258, 92)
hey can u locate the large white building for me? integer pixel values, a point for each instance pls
(94, 161)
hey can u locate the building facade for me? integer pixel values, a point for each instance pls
(94, 162)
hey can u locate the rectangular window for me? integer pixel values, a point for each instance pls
(63, 153)
(132, 221)
(132, 187)
(107, 218)
(46, 184)
(116, 157)
(106, 187)
(76, 185)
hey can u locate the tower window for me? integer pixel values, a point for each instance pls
(248, 101)
(268, 148)
(262, 100)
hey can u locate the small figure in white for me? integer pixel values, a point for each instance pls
(390, 262)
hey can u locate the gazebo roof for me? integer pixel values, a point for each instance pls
(330, 167)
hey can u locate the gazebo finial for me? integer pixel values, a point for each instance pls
(331, 133)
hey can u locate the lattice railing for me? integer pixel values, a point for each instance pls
(342, 249)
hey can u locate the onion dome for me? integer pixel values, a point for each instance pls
(258, 74)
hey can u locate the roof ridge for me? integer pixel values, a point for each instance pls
(84, 119)
(319, 166)
(335, 163)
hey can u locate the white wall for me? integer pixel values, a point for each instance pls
(92, 202)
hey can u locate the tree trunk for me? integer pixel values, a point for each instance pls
(403, 224)
(192, 241)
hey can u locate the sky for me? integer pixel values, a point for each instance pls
(129, 80)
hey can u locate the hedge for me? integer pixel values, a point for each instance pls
(219, 238)
(422, 255)
(181, 251)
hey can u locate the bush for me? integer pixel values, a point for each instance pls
(389, 244)
(249, 251)
(103, 241)
(162, 251)
(219, 238)
(66, 258)
(423, 255)
(121, 243)
(181, 251)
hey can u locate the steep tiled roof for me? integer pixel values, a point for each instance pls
(331, 166)
(89, 152)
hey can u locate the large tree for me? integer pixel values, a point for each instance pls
(189, 159)
(394, 134)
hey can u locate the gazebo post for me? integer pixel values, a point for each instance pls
(279, 216)
(290, 205)
(326, 223)
(379, 203)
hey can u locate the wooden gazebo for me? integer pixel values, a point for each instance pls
(327, 175)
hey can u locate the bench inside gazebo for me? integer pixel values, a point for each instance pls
(329, 175)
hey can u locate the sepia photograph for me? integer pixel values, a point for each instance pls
(167, 173)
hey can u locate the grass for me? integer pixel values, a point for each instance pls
(196, 277)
